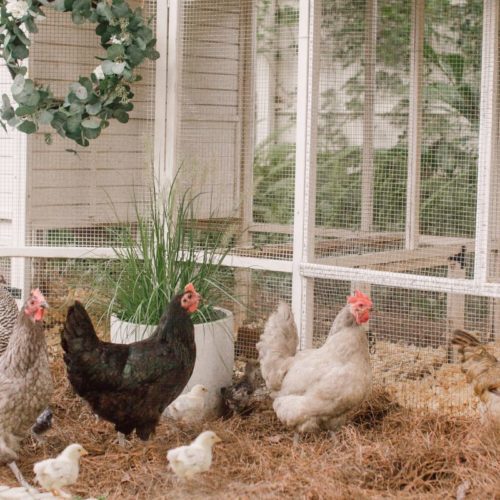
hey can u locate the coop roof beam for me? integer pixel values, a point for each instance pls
(487, 137)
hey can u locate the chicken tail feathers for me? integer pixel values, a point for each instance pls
(78, 333)
(464, 339)
(277, 346)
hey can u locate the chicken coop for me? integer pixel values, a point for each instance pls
(346, 144)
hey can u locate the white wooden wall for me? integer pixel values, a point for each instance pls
(209, 140)
(95, 185)
(12, 190)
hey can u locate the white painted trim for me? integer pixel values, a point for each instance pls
(160, 117)
(415, 125)
(406, 281)
(487, 137)
(305, 164)
(283, 266)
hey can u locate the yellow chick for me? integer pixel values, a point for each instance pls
(188, 460)
(54, 473)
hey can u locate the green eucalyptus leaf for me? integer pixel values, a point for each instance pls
(18, 85)
(59, 5)
(118, 68)
(31, 25)
(115, 50)
(6, 101)
(20, 52)
(45, 117)
(7, 114)
(107, 67)
(121, 116)
(92, 133)
(104, 10)
(73, 124)
(92, 122)
(31, 99)
(25, 110)
(27, 127)
(93, 109)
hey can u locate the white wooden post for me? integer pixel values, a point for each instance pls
(415, 125)
(174, 68)
(305, 165)
(368, 167)
(20, 275)
(487, 138)
(246, 90)
(160, 125)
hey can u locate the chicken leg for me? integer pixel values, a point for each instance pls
(20, 478)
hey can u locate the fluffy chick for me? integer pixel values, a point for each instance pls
(236, 398)
(482, 370)
(190, 408)
(188, 460)
(54, 473)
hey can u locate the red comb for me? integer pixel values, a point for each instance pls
(189, 288)
(37, 293)
(359, 297)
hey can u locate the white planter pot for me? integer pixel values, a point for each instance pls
(214, 351)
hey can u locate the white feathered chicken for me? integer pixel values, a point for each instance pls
(190, 407)
(186, 461)
(55, 473)
(317, 388)
(25, 379)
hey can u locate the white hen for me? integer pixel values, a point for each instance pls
(190, 407)
(54, 473)
(186, 461)
(317, 388)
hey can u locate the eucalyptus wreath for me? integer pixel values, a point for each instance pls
(93, 100)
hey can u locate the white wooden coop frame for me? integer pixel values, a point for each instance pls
(304, 266)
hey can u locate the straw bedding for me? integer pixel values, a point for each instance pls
(385, 452)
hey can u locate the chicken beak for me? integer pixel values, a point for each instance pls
(44, 304)
(218, 439)
(84, 452)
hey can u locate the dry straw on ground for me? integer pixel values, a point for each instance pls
(386, 452)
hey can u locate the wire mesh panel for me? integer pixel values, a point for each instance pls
(410, 352)
(237, 107)
(75, 192)
(369, 76)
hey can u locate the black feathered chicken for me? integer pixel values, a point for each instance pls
(131, 384)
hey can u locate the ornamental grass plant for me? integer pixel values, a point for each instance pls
(160, 254)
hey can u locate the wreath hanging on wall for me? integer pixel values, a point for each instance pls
(93, 100)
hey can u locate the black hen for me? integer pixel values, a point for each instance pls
(131, 384)
(236, 398)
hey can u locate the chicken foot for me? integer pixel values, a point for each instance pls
(122, 440)
(19, 476)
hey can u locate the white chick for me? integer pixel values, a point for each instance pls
(54, 473)
(186, 461)
(190, 407)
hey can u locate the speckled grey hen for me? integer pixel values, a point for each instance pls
(8, 315)
(25, 380)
